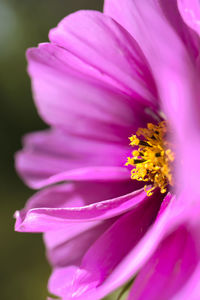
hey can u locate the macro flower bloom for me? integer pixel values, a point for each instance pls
(130, 72)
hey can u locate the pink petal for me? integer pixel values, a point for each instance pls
(67, 246)
(93, 109)
(61, 281)
(105, 174)
(188, 166)
(142, 251)
(188, 36)
(52, 152)
(172, 67)
(110, 249)
(57, 206)
(190, 12)
(169, 269)
(191, 290)
(151, 16)
(104, 45)
(93, 280)
(147, 23)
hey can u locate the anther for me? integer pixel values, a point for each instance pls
(152, 160)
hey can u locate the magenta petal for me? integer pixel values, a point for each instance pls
(143, 250)
(108, 251)
(172, 272)
(147, 23)
(191, 290)
(169, 269)
(56, 206)
(51, 152)
(190, 11)
(67, 246)
(99, 110)
(100, 41)
(61, 281)
(188, 36)
(106, 254)
(107, 174)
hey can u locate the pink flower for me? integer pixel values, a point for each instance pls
(101, 77)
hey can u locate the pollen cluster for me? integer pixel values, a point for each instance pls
(152, 158)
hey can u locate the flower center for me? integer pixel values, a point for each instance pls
(152, 158)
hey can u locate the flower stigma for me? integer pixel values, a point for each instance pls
(153, 157)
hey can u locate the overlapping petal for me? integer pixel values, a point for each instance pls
(169, 268)
(167, 15)
(50, 154)
(104, 45)
(172, 271)
(92, 109)
(190, 12)
(61, 282)
(59, 205)
(75, 238)
(101, 259)
(146, 21)
(188, 36)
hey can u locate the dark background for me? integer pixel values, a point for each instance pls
(23, 24)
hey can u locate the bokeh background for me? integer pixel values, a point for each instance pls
(23, 24)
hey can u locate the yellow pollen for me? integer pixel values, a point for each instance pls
(153, 157)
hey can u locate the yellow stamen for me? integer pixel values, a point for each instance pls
(153, 158)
